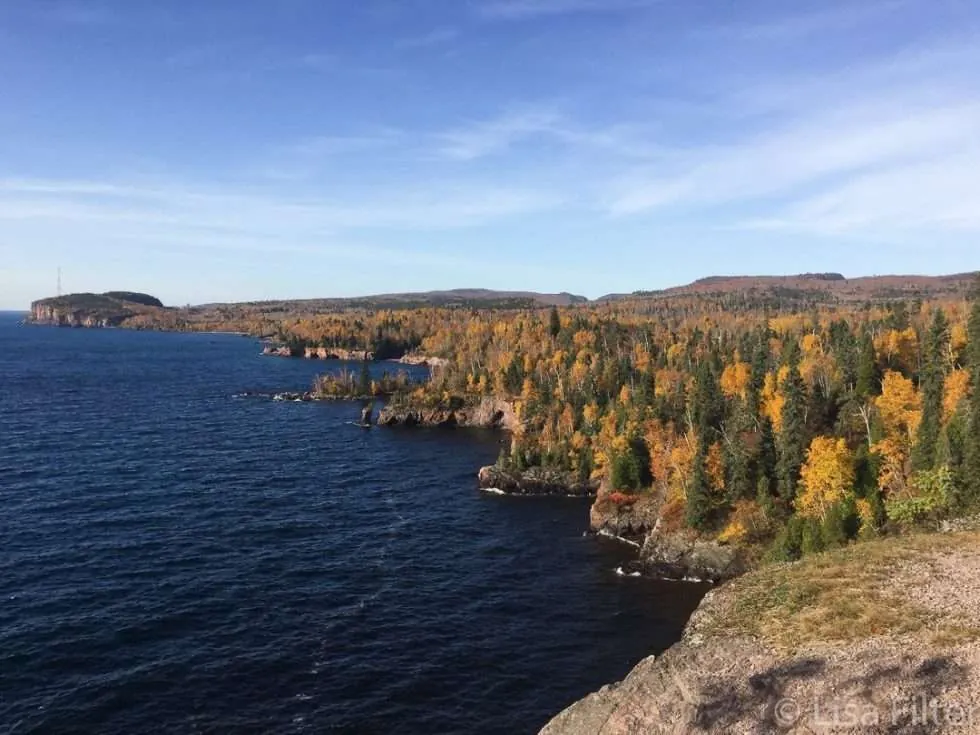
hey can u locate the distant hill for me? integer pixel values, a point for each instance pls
(140, 310)
(817, 286)
(460, 297)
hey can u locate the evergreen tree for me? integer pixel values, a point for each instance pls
(924, 456)
(760, 364)
(972, 437)
(763, 496)
(812, 537)
(708, 403)
(555, 323)
(833, 530)
(738, 484)
(364, 379)
(792, 439)
(868, 379)
(697, 491)
(768, 456)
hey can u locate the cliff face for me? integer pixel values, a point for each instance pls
(92, 310)
(880, 637)
(57, 316)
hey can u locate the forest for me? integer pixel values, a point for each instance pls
(791, 427)
(788, 420)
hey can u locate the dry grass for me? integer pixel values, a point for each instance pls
(845, 595)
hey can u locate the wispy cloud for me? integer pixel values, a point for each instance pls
(483, 138)
(496, 135)
(74, 13)
(796, 26)
(248, 214)
(521, 9)
(889, 145)
(435, 37)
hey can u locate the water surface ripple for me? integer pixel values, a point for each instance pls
(175, 559)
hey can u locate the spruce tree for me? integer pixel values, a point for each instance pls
(792, 439)
(738, 483)
(972, 437)
(868, 383)
(932, 382)
(555, 323)
(364, 379)
(697, 491)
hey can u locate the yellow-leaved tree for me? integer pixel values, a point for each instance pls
(827, 477)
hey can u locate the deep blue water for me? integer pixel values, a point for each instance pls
(175, 559)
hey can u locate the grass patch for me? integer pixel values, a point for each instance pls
(839, 596)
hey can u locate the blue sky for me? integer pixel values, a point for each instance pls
(250, 149)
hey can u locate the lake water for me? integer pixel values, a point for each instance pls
(176, 559)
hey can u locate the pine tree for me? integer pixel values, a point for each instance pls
(924, 456)
(792, 439)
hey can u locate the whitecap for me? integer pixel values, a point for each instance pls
(494, 491)
(610, 534)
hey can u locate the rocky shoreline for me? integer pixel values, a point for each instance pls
(535, 481)
(753, 659)
(318, 353)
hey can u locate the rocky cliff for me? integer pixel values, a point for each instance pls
(667, 551)
(880, 637)
(488, 413)
(92, 310)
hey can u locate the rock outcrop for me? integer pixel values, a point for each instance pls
(665, 553)
(111, 309)
(682, 555)
(318, 353)
(337, 353)
(489, 413)
(629, 517)
(877, 638)
(423, 361)
(535, 481)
